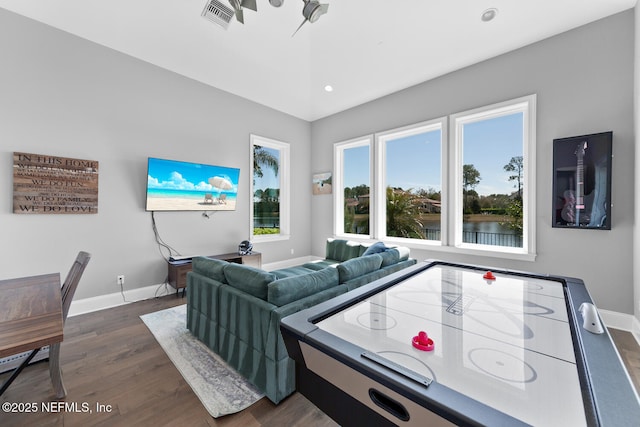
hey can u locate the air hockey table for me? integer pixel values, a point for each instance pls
(451, 344)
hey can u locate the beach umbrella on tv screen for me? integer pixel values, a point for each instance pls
(221, 183)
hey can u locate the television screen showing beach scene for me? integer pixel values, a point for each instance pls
(182, 186)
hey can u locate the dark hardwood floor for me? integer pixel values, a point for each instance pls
(110, 358)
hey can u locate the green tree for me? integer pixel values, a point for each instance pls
(403, 215)
(514, 212)
(262, 157)
(470, 178)
(516, 166)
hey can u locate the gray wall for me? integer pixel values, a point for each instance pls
(584, 84)
(636, 237)
(64, 96)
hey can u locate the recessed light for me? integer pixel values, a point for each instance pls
(489, 14)
(328, 88)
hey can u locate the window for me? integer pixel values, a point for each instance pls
(410, 181)
(467, 188)
(270, 189)
(353, 187)
(494, 160)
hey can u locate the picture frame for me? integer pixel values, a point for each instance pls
(321, 183)
(582, 181)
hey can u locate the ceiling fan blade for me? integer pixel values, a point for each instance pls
(303, 22)
(249, 4)
(240, 16)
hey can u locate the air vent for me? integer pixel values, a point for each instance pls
(218, 13)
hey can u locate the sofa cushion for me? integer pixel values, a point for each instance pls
(248, 279)
(390, 257)
(298, 270)
(284, 291)
(360, 266)
(342, 250)
(377, 247)
(212, 268)
(320, 264)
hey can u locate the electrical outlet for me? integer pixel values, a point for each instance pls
(121, 280)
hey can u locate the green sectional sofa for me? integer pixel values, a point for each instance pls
(236, 309)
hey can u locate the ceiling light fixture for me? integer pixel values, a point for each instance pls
(328, 88)
(489, 14)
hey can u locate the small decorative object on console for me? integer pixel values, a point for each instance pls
(245, 247)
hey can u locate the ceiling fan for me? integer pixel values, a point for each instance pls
(312, 9)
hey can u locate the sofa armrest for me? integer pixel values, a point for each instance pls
(203, 308)
(242, 317)
(275, 343)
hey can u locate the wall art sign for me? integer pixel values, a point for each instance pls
(44, 184)
(582, 181)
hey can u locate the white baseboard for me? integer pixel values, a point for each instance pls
(624, 322)
(88, 305)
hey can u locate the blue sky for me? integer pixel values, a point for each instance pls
(174, 175)
(414, 161)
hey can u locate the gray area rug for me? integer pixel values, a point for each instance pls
(218, 386)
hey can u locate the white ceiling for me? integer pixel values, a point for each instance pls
(364, 48)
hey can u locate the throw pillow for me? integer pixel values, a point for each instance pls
(377, 247)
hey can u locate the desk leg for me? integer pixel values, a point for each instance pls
(55, 372)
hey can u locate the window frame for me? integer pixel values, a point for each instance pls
(380, 210)
(284, 181)
(527, 106)
(338, 183)
(451, 198)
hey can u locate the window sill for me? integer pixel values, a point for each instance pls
(261, 238)
(515, 254)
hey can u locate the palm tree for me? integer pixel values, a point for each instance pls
(403, 215)
(262, 157)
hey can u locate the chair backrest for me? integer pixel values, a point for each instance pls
(71, 282)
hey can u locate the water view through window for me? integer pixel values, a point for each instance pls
(266, 190)
(492, 181)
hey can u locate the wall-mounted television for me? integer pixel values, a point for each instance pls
(183, 186)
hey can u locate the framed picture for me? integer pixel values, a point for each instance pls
(321, 183)
(582, 181)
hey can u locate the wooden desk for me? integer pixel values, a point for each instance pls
(31, 317)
